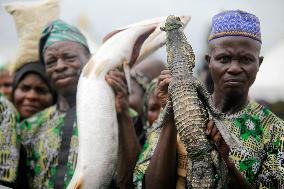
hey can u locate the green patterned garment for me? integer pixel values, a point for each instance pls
(260, 160)
(9, 154)
(41, 139)
(145, 156)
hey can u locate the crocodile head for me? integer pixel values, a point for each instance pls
(179, 52)
(172, 23)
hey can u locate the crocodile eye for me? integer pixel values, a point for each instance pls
(178, 18)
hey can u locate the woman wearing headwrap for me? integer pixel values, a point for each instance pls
(151, 105)
(141, 76)
(32, 90)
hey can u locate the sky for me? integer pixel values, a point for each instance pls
(103, 16)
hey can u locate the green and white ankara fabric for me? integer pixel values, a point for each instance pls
(9, 151)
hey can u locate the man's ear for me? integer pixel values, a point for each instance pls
(260, 60)
(207, 58)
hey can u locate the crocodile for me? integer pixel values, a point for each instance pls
(192, 109)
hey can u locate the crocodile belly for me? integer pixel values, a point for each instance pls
(190, 117)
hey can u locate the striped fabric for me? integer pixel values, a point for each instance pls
(59, 30)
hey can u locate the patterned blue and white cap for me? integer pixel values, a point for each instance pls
(235, 23)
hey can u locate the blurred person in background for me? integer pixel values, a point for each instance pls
(151, 106)
(32, 91)
(6, 79)
(141, 76)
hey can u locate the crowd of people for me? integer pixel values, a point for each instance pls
(38, 106)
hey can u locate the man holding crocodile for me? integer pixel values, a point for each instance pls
(234, 60)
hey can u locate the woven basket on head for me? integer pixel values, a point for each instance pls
(30, 19)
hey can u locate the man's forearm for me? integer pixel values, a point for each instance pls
(129, 148)
(161, 172)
